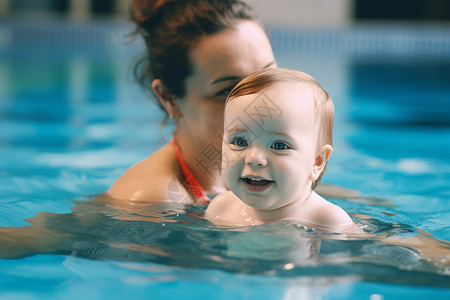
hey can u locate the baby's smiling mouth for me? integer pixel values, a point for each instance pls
(258, 183)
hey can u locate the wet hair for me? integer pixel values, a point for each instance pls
(324, 108)
(170, 28)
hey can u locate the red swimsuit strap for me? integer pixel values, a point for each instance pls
(191, 180)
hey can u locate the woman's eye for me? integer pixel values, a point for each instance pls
(280, 146)
(239, 142)
(225, 91)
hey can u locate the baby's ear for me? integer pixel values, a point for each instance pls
(321, 161)
(166, 98)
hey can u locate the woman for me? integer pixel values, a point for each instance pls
(198, 50)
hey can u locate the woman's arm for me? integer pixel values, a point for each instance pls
(19, 242)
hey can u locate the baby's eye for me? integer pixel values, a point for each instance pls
(280, 146)
(239, 142)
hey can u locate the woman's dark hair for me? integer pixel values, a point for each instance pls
(171, 27)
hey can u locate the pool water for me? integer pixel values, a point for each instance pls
(72, 120)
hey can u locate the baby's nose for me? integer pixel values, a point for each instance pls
(256, 157)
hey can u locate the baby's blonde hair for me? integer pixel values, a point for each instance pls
(324, 108)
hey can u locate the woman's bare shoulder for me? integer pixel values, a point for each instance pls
(148, 180)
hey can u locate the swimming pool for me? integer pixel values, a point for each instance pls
(72, 120)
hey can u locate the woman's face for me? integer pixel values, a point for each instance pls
(219, 62)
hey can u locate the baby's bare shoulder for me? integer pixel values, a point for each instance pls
(328, 214)
(223, 203)
(223, 207)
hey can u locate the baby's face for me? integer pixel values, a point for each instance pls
(269, 146)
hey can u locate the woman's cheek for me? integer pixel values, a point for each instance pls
(215, 113)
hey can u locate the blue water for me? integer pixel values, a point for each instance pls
(72, 120)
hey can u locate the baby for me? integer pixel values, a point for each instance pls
(276, 144)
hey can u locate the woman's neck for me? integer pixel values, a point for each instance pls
(204, 160)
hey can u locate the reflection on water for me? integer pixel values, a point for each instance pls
(177, 236)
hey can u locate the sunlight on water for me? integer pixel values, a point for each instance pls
(414, 166)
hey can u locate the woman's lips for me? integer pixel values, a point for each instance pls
(256, 184)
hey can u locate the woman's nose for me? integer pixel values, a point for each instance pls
(256, 157)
